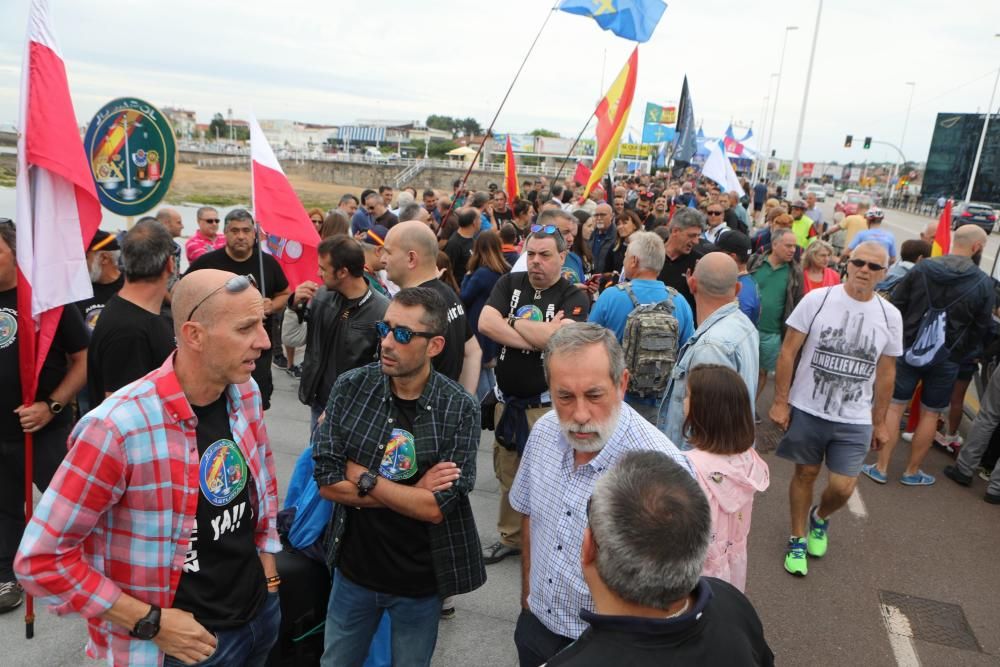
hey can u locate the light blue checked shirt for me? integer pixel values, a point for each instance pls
(554, 493)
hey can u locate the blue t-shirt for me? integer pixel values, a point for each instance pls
(484, 223)
(759, 196)
(878, 235)
(361, 222)
(749, 298)
(614, 305)
(572, 269)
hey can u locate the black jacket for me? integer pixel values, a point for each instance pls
(329, 330)
(947, 279)
(721, 628)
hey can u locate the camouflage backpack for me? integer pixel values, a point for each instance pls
(650, 343)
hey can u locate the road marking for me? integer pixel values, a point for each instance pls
(900, 636)
(857, 506)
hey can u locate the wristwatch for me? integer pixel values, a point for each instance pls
(148, 626)
(366, 482)
(55, 407)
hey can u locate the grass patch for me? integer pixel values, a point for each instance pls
(207, 199)
(8, 177)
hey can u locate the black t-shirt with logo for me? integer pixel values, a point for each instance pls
(449, 362)
(383, 550)
(128, 342)
(223, 582)
(91, 308)
(71, 336)
(519, 372)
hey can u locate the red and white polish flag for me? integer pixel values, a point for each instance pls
(291, 237)
(57, 209)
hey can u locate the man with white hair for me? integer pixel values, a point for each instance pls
(643, 261)
(568, 450)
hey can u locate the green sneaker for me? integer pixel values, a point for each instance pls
(795, 557)
(817, 540)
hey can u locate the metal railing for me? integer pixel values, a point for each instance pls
(405, 176)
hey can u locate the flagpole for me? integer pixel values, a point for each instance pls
(489, 130)
(572, 148)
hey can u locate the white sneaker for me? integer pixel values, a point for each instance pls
(908, 436)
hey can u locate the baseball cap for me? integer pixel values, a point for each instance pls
(103, 241)
(798, 203)
(376, 235)
(735, 242)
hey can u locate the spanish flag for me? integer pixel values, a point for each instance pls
(612, 114)
(510, 174)
(942, 238)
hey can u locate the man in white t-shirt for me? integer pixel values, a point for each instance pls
(835, 410)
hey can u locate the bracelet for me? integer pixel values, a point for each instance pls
(274, 581)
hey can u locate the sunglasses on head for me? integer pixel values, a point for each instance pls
(872, 266)
(547, 229)
(403, 335)
(234, 285)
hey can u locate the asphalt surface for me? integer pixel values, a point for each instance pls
(930, 547)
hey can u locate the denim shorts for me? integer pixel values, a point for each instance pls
(937, 380)
(810, 440)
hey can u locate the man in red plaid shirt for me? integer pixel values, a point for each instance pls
(159, 526)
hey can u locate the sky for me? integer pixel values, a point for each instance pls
(336, 62)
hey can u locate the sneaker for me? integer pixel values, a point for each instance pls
(817, 540)
(447, 614)
(497, 551)
(280, 361)
(11, 596)
(957, 476)
(992, 498)
(295, 371)
(984, 474)
(872, 471)
(907, 436)
(795, 557)
(919, 478)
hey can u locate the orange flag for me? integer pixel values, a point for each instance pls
(612, 115)
(510, 174)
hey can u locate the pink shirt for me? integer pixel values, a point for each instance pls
(199, 244)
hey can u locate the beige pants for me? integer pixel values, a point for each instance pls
(505, 464)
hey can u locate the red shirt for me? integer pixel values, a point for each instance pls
(830, 278)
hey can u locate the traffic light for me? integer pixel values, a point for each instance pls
(868, 143)
(848, 140)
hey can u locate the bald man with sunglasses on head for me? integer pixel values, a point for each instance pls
(159, 526)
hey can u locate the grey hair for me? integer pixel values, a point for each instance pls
(572, 337)
(652, 525)
(241, 215)
(776, 234)
(376, 195)
(146, 250)
(403, 199)
(869, 245)
(480, 199)
(648, 248)
(686, 218)
(203, 210)
(409, 211)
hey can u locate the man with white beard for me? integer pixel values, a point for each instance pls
(590, 429)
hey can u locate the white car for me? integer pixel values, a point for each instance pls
(815, 189)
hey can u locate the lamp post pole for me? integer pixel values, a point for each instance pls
(982, 137)
(805, 102)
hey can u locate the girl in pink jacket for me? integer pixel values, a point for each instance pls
(718, 422)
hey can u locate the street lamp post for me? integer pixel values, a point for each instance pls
(906, 121)
(982, 137)
(777, 96)
(760, 172)
(805, 102)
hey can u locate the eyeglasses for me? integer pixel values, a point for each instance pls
(234, 285)
(714, 212)
(547, 229)
(211, 221)
(403, 335)
(872, 266)
(371, 209)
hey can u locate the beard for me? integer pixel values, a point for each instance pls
(603, 430)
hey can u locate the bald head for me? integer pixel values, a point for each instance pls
(414, 236)
(171, 219)
(930, 231)
(716, 274)
(968, 240)
(191, 289)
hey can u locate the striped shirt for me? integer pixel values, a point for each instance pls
(118, 514)
(553, 491)
(358, 425)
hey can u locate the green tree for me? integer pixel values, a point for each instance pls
(439, 149)
(446, 123)
(470, 127)
(217, 128)
(542, 132)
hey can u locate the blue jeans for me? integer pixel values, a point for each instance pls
(938, 381)
(248, 644)
(354, 613)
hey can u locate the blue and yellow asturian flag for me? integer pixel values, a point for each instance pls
(632, 19)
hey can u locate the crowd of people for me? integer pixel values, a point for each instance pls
(615, 344)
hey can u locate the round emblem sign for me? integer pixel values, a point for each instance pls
(131, 149)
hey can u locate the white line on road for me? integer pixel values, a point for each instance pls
(856, 506)
(900, 636)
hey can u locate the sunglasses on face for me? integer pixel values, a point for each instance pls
(211, 221)
(872, 266)
(403, 335)
(714, 212)
(234, 285)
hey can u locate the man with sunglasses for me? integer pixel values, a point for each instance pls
(836, 407)
(207, 238)
(241, 255)
(397, 453)
(524, 310)
(159, 527)
(714, 215)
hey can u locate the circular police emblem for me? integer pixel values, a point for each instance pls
(8, 327)
(222, 473)
(131, 149)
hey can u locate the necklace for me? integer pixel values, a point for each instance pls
(687, 603)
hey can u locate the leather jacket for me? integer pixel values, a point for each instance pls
(352, 333)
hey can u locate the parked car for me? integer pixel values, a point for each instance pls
(815, 189)
(853, 202)
(972, 213)
(830, 190)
